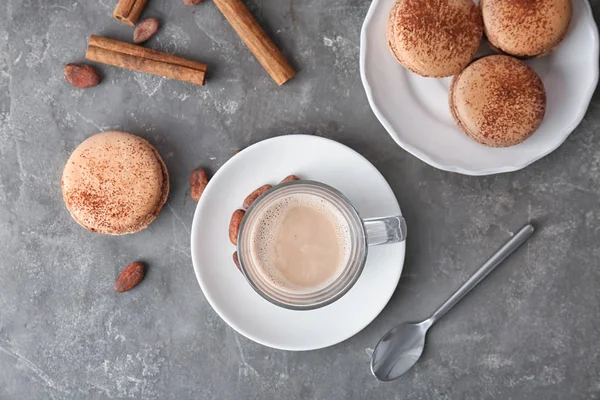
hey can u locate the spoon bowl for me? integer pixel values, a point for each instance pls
(398, 350)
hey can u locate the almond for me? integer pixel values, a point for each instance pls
(130, 277)
(191, 2)
(145, 30)
(198, 182)
(290, 178)
(236, 261)
(234, 225)
(254, 195)
(81, 75)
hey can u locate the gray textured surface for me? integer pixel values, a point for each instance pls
(530, 331)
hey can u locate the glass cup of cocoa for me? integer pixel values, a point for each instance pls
(302, 245)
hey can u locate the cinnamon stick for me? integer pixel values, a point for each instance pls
(129, 11)
(138, 58)
(246, 26)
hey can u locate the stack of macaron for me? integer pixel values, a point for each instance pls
(497, 100)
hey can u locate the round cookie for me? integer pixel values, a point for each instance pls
(498, 101)
(530, 28)
(115, 183)
(434, 38)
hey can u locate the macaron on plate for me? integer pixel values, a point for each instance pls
(415, 110)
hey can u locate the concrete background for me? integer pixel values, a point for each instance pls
(529, 331)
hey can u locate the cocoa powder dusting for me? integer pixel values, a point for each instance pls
(511, 99)
(526, 27)
(437, 35)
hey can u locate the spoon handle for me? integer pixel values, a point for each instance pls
(505, 251)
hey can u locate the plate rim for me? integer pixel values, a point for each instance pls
(423, 156)
(398, 271)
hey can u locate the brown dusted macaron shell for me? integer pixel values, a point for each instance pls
(526, 28)
(115, 183)
(498, 101)
(434, 38)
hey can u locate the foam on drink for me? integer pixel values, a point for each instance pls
(301, 243)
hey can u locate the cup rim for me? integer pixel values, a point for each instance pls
(346, 288)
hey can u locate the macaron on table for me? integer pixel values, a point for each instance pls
(131, 131)
(115, 183)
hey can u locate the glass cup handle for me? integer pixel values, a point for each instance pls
(385, 230)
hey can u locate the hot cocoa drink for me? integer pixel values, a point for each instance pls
(300, 243)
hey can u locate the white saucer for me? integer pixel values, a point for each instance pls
(414, 110)
(226, 289)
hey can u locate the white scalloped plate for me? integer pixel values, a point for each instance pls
(414, 110)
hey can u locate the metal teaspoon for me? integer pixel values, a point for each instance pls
(400, 348)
